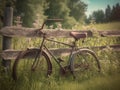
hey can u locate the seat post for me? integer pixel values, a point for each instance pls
(74, 42)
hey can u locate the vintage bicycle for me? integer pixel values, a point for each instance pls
(39, 61)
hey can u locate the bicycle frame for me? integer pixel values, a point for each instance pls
(44, 47)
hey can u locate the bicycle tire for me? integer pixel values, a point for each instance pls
(22, 63)
(83, 61)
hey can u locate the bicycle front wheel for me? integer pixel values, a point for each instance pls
(22, 67)
(84, 63)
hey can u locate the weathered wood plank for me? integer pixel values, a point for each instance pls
(110, 33)
(12, 54)
(18, 31)
(32, 32)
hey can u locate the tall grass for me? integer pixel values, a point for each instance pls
(108, 26)
(101, 26)
(101, 82)
(108, 79)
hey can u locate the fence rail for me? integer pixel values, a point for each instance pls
(32, 32)
(12, 54)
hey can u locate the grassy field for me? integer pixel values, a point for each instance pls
(108, 79)
(103, 82)
(108, 26)
(101, 26)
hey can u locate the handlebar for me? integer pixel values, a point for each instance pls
(55, 20)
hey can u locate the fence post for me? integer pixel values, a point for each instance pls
(6, 42)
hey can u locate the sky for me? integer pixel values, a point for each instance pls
(94, 5)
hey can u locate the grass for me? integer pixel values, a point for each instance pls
(101, 26)
(109, 79)
(108, 26)
(101, 82)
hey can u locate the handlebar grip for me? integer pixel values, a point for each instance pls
(56, 20)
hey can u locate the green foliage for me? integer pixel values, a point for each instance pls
(29, 9)
(98, 16)
(57, 9)
(115, 14)
(72, 11)
(69, 22)
(77, 9)
(108, 13)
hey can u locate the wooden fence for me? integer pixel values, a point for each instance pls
(31, 32)
(12, 31)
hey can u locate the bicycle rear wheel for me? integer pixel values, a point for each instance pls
(84, 63)
(22, 67)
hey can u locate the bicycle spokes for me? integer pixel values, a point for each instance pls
(84, 63)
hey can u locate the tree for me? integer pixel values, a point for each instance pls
(77, 9)
(98, 16)
(108, 12)
(28, 9)
(117, 12)
(115, 15)
(71, 11)
(112, 14)
(59, 9)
